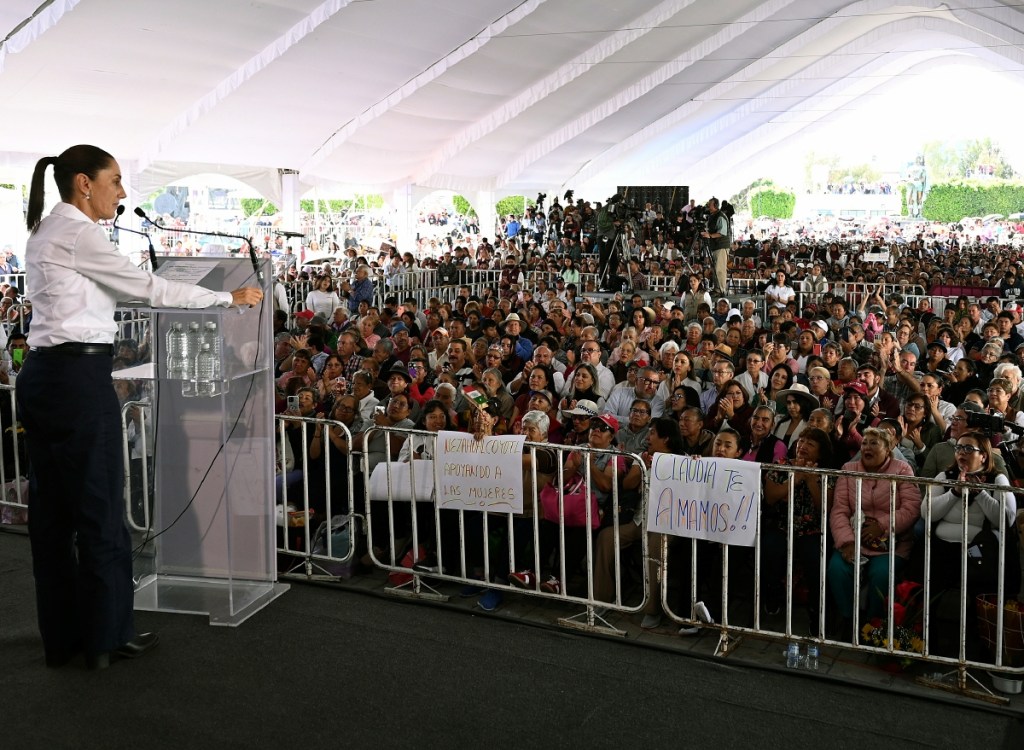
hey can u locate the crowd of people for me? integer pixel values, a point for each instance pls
(826, 362)
(795, 375)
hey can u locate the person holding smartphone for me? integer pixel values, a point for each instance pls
(14, 358)
(81, 550)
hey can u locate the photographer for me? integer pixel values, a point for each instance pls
(719, 235)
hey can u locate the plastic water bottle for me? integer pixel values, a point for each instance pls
(212, 337)
(793, 655)
(193, 340)
(206, 370)
(812, 657)
(177, 361)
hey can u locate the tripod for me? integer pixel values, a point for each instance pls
(698, 252)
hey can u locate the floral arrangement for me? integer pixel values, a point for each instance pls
(906, 631)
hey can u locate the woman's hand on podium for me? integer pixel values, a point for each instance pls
(248, 295)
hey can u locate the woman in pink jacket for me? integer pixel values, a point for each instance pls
(876, 458)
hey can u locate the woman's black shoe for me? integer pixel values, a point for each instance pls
(132, 650)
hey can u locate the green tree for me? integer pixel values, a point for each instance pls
(951, 201)
(462, 206)
(772, 202)
(513, 204)
(257, 207)
(741, 201)
(956, 160)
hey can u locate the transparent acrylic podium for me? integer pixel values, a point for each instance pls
(212, 549)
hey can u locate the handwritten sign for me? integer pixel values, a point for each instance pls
(705, 498)
(473, 474)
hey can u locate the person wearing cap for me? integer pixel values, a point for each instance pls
(576, 422)
(398, 381)
(935, 359)
(438, 355)
(632, 436)
(800, 402)
(521, 346)
(401, 344)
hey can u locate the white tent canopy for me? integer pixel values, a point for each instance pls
(487, 98)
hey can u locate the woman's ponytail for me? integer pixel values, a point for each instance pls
(35, 195)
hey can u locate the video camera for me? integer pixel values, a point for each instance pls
(991, 424)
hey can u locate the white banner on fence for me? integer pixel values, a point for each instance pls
(704, 498)
(482, 474)
(401, 481)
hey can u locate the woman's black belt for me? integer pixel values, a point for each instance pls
(75, 349)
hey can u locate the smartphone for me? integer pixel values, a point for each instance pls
(17, 356)
(293, 403)
(816, 350)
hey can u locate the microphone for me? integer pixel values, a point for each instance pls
(152, 251)
(246, 240)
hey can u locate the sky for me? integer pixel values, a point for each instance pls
(888, 129)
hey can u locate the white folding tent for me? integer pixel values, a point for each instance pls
(484, 97)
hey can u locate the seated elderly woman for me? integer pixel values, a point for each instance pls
(973, 463)
(877, 517)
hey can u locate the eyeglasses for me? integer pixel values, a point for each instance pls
(639, 411)
(591, 350)
(958, 419)
(915, 406)
(677, 396)
(968, 449)
(600, 427)
(816, 377)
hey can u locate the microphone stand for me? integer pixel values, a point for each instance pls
(152, 250)
(247, 241)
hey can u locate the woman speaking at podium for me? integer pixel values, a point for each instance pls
(81, 550)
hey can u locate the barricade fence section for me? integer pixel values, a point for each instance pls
(901, 586)
(314, 486)
(443, 506)
(13, 462)
(906, 583)
(137, 449)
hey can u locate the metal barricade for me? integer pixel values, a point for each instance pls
(465, 546)
(138, 468)
(894, 637)
(133, 325)
(14, 487)
(301, 528)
